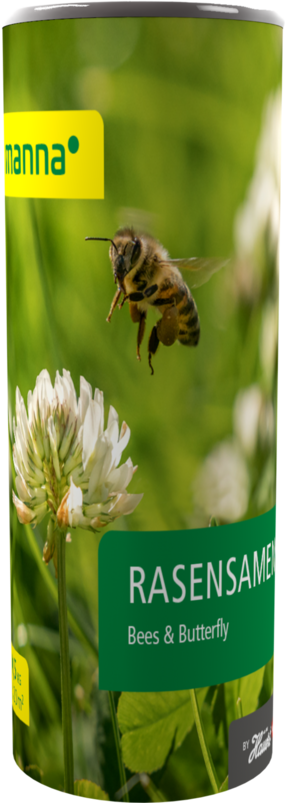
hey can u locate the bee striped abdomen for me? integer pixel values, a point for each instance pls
(189, 324)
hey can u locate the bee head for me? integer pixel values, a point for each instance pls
(125, 251)
(128, 251)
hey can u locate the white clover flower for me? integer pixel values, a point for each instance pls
(261, 208)
(254, 421)
(257, 218)
(246, 414)
(67, 464)
(222, 485)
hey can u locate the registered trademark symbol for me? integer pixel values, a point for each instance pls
(73, 144)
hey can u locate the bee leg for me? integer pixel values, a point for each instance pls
(138, 317)
(134, 312)
(168, 326)
(126, 298)
(153, 344)
(132, 298)
(140, 333)
(114, 304)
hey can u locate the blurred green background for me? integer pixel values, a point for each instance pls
(191, 118)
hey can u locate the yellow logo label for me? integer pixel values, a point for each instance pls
(20, 687)
(54, 154)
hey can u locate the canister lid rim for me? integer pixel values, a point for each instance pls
(81, 10)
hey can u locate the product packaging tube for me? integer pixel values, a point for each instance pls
(142, 178)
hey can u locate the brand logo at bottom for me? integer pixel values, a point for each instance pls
(250, 745)
(260, 745)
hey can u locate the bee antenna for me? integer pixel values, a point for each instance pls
(104, 239)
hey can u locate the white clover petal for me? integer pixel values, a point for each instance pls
(36, 473)
(65, 395)
(43, 377)
(67, 435)
(74, 505)
(102, 446)
(22, 489)
(16, 460)
(21, 452)
(70, 392)
(84, 523)
(91, 429)
(120, 478)
(59, 388)
(113, 416)
(97, 523)
(44, 412)
(84, 399)
(104, 493)
(70, 508)
(53, 445)
(94, 480)
(90, 511)
(40, 512)
(125, 435)
(99, 398)
(24, 513)
(38, 495)
(75, 496)
(45, 392)
(46, 444)
(33, 403)
(52, 434)
(112, 432)
(34, 456)
(125, 504)
(21, 415)
(107, 464)
(77, 475)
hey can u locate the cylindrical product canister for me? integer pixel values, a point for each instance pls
(142, 172)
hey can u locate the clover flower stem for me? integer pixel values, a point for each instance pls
(155, 794)
(203, 744)
(239, 708)
(65, 667)
(123, 780)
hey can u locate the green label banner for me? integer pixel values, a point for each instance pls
(188, 608)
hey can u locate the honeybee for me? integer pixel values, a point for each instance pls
(146, 277)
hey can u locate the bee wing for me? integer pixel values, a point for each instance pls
(202, 269)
